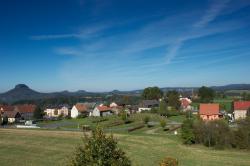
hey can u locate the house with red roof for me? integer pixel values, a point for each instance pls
(102, 110)
(26, 110)
(240, 109)
(209, 111)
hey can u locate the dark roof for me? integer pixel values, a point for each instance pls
(25, 108)
(11, 114)
(149, 103)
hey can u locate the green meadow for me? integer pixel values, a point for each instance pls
(48, 147)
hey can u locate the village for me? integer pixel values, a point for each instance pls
(24, 113)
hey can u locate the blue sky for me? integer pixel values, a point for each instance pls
(99, 45)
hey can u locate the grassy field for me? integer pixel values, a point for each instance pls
(42, 147)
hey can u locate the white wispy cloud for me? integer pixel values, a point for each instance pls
(209, 16)
(211, 13)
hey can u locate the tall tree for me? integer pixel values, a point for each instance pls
(163, 108)
(187, 132)
(173, 98)
(206, 94)
(248, 112)
(152, 93)
(38, 114)
(1, 117)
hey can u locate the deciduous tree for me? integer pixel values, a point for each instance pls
(99, 150)
(152, 93)
(206, 94)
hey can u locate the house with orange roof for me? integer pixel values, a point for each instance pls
(240, 109)
(101, 110)
(209, 112)
(26, 110)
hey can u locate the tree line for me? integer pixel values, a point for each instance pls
(217, 133)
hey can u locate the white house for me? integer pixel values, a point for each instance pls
(101, 111)
(113, 104)
(147, 105)
(240, 109)
(185, 104)
(78, 109)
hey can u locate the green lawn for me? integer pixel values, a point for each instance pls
(42, 147)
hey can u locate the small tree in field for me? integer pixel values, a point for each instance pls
(187, 132)
(99, 150)
(163, 123)
(146, 119)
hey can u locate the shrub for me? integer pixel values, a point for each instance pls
(242, 135)
(187, 132)
(169, 161)
(146, 119)
(124, 116)
(99, 119)
(163, 123)
(5, 120)
(99, 150)
(215, 133)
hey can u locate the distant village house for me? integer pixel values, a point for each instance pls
(240, 109)
(147, 105)
(209, 111)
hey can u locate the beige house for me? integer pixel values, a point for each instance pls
(55, 112)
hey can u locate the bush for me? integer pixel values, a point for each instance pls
(146, 119)
(163, 123)
(169, 161)
(99, 150)
(187, 133)
(242, 135)
(81, 116)
(173, 112)
(213, 134)
(5, 120)
(99, 119)
(154, 110)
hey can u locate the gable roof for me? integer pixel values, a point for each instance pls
(209, 109)
(185, 102)
(11, 114)
(146, 103)
(241, 105)
(81, 107)
(103, 108)
(6, 108)
(25, 108)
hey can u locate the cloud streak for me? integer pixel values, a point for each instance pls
(208, 17)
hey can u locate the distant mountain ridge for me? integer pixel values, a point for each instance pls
(23, 92)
